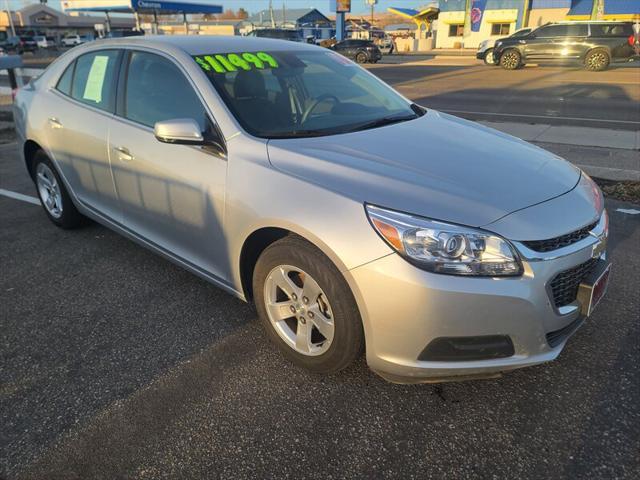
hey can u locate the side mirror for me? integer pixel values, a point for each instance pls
(184, 131)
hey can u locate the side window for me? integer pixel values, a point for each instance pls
(94, 79)
(64, 84)
(156, 90)
(577, 30)
(552, 31)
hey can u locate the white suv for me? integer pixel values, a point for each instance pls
(73, 40)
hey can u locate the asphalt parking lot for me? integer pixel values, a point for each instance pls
(534, 94)
(117, 364)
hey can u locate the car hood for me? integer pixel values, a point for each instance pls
(438, 166)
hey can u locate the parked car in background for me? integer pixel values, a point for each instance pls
(386, 45)
(73, 40)
(362, 51)
(593, 44)
(485, 49)
(44, 41)
(28, 43)
(290, 34)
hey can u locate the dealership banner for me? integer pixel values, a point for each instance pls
(477, 11)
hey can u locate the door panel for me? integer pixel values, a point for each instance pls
(77, 130)
(172, 195)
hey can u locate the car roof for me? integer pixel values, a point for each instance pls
(204, 44)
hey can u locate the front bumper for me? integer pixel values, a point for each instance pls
(405, 308)
(481, 55)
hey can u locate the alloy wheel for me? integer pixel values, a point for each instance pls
(597, 61)
(49, 190)
(299, 310)
(510, 60)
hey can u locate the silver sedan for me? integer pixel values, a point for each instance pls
(355, 219)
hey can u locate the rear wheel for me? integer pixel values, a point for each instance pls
(306, 306)
(488, 57)
(511, 60)
(53, 195)
(597, 60)
(361, 57)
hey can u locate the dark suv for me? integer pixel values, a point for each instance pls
(592, 44)
(362, 51)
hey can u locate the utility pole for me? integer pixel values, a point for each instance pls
(273, 20)
(13, 28)
(284, 15)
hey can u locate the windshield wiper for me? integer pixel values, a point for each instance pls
(381, 122)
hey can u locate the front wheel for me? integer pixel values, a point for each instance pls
(510, 60)
(597, 60)
(306, 306)
(361, 57)
(488, 57)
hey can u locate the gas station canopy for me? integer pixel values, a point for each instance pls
(424, 15)
(142, 6)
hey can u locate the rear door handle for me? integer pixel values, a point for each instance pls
(54, 122)
(124, 154)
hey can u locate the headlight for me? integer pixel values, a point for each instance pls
(497, 44)
(444, 248)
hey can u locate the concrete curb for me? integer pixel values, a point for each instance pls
(566, 135)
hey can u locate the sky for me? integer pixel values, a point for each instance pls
(357, 6)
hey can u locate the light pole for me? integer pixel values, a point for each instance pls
(13, 28)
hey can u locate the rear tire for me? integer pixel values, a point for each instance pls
(597, 60)
(295, 288)
(511, 60)
(488, 57)
(53, 195)
(361, 57)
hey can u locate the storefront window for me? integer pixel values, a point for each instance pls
(500, 28)
(456, 30)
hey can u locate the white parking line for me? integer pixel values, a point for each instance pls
(628, 211)
(19, 196)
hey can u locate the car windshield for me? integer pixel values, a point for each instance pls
(302, 93)
(521, 33)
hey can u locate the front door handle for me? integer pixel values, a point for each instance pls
(124, 154)
(54, 122)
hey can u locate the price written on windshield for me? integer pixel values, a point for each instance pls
(233, 62)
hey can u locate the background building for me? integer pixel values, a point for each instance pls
(310, 21)
(44, 20)
(499, 18)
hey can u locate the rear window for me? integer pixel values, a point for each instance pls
(94, 79)
(64, 84)
(611, 30)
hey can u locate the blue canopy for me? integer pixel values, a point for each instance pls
(581, 8)
(624, 7)
(145, 6)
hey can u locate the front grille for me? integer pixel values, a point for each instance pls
(561, 241)
(564, 286)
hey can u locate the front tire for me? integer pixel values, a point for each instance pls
(361, 57)
(597, 60)
(53, 195)
(306, 306)
(511, 60)
(488, 57)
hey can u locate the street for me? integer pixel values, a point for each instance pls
(115, 363)
(546, 94)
